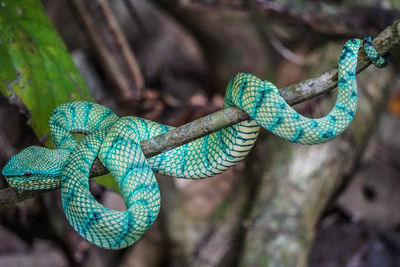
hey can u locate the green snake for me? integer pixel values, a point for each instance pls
(116, 143)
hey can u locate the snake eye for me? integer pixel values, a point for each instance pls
(27, 174)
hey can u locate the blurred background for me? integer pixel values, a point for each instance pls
(335, 204)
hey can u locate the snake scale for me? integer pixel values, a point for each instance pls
(115, 141)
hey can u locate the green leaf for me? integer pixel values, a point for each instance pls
(36, 70)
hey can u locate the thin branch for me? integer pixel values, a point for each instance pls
(285, 52)
(112, 47)
(293, 94)
(388, 39)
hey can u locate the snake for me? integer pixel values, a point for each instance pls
(116, 141)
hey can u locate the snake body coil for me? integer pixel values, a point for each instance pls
(115, 141)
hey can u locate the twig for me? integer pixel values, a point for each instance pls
(296, 93)
(285, 52)
(135, 17)
(112, 47)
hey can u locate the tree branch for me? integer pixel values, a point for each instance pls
(293, 94)
(388, 39)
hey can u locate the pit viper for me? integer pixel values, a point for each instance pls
(116, 143)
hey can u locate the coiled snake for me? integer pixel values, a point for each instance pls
(115, 141)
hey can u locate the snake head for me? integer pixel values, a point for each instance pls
(36, 168)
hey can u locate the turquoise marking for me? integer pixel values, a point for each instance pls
(87, 112)
(183, 158)
(103, 117)
(373, 55)
(314, 124)
(342, 81)
(72, 121)
(299, 134)
(116, 143)
(282, 104)
(128, 224)
(146, 130)
(68, 197)
(260, 98)
(328, 134)
(223, 146)
(332, 118)
(340, 107)
(241, 92)
(64, 117)
(63, 141)
(205, 153)
(277, 121)
(160, 162)
(91, 219)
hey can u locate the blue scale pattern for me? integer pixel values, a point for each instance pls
(116, 143)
